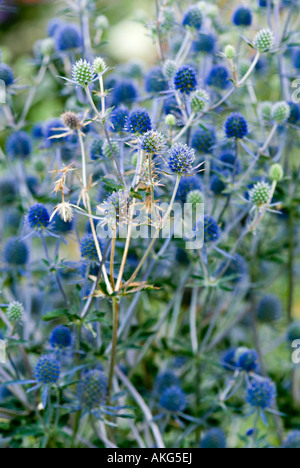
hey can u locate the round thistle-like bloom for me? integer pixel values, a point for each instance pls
(261, 393)
(229, 52)
(107, 152)
(187, 184)
(96, 149)
(61, 337)
(281, 112)
(194, 197)
(236, 126)
(124, 92)
(295, 113)
(170, 68)
(67, 37)
(173, 399)
(155, 81)
(19, 145)
(53, 25)
(242, 16)
(15, 311)
(203, 140)
(38, 216)
(248, 360)
(102, 22)
(16, 252)
(60, 226)
(260, 194)
(93, 389)
(165, 380)
(185, 80)
(170, 120)
(83, 73)
(228, 359)
(292, 440)
(47, 370)
(276, 172)
(217, 186)
(118, 119)
(265, 110)
(88, 248)
(8, 190)
(139, 121)
(218, 77)
(71, 120)
(152, 142)
(205, 43)
(264, 40)
(99, 66)
(296, 58)
(6, 74)
(192, 18)
(200, 101)
(211, 230)
(269, 309)
(293, 332)
(180, 159)
(37, 131)
(213, 439)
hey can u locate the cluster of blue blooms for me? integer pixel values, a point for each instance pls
(94, 296)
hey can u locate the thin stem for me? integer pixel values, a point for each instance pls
(102, 95)
(112, 259)
(114, 347)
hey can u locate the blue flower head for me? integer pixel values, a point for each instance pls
(248, 360)
(242, 16)
(61, 337)
(67, 37)
(118, 119)
(236, 126)
(138, 121)
(15, 252)
(185, 80)
(165, 380)
(295, 113)
(53, 25)
(60, 226)
(6, 74)
(292, 440)
(173, 399)
(18, 145)
(47, 370)
(228, 359)
(192, 18)
(261, 393)
(38, 216)
(203, 140)
(180, 159)
(124, 92)
(92, 390)
(213, 439)
(187, 185)
(217, 186)
(205, 43)
(211, 230)
(155, 81)
(96, 149)
(88, 248)
(37, 131)
(218, 77)
(296, 58)
(269, 309)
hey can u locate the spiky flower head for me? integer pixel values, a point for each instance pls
(153, 142)
(242, 16)
(264, 40)
(192, 18)
(170, 68)
(65, 211)
(15, 311)
(229, 52)
(170, 120)
(276, 172)
(248, 360)
(181, 159)
(173, 399)
(118, 119)
(281, 112)
(200, 101)
(99, 66)
(155, 81)
(211, 230)
(265, 110)
(236, 126)
(260, 194)
(71, 120)
(205, 43)
(185, 80)
(16, 252)
(139, 121)
(83, 73)
(47, 370)
(61, 337)
(88, 248)
(106, 149)
(19, 145)
(165, 380)
(269, 309)
(203, 140)
(213, 439)
(218, 77)
(261, 393)
(292, 440)
(67, 37)
(6, 74)
(194, 197)
(92, 390)
(38, 216)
